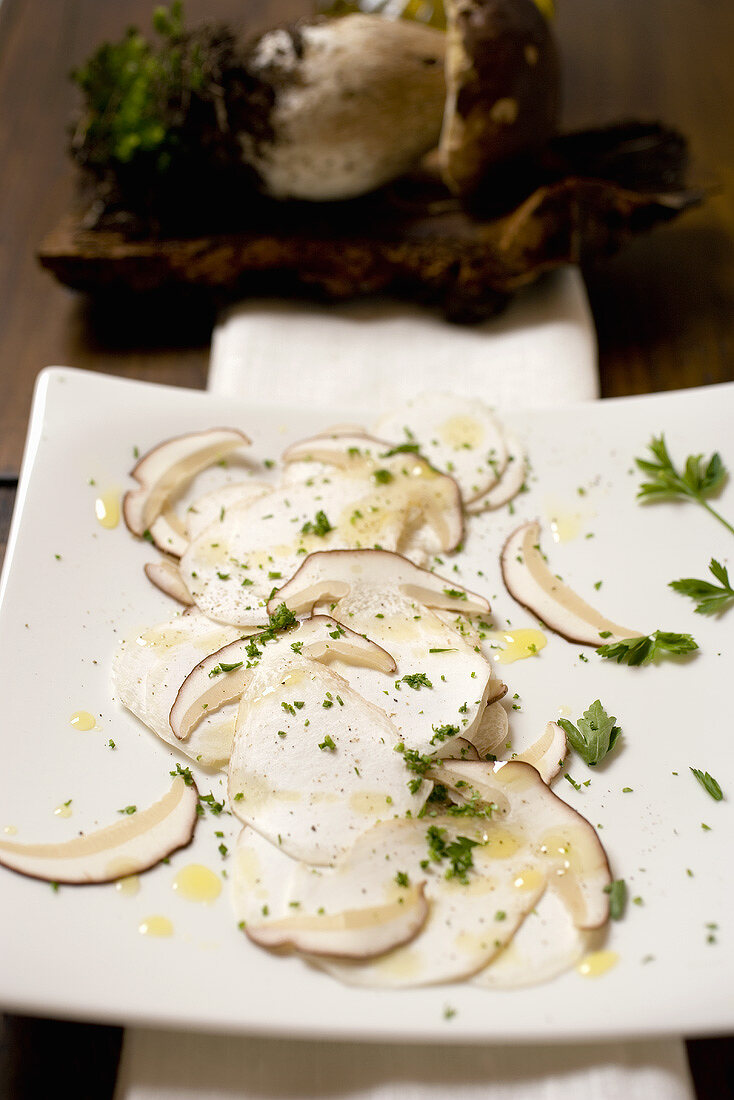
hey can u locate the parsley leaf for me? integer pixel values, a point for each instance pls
(641, 650)
(699, 479)
(595, 735)
(711, 599)
(709, 784)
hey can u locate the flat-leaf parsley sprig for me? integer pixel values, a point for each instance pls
(711, 598)
(641, 650)
(699, 480)
(595, 735)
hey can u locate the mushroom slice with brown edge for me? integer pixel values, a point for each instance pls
(546, 944)
(165, 469)
(131, 845)
(477, 897)
(405, 484)
(491, 732)
(510, 483)
(442, 682)
(458, 435)
(532, 815)
(313, 763)
(149, 668)
(529, 581)
(166, 576)
(340, 107)
(547, 753)
(502, 77)
(223, 675)
(361, 933)
(260, 876)
(231, 566)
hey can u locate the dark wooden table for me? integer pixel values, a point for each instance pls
(664, 309)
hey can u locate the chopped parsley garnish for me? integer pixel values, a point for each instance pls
(458, 852)
(442, 733)
(128, 810)
(710, 598)
(402, 878)
(282, 618)
(210, 801)
(382, 477)
(454, 593)
(617, 891)
(320, 525)
(327, 744)
(642, 650)
(185, 773)
(417, 680)
(402, 449)
(595, 735)
(709, 784)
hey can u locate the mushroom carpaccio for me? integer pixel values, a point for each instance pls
(327, 657)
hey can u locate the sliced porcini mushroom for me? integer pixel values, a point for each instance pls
(547, 753)
(502, 77)
(332, 574)
(133, 844)
(222, 676)
(260, 877)
(529, 581)
(313, 763)
(165, 574)
(546, 944)
(532, 816)
(166, 468)
(475, 904)
(149, 668)
(362, 933)
(404, 484)
(457, 434)
(231, 567)
(209, 510)
(491, 733)
(442, 680)
(341, 106)
(510, 483)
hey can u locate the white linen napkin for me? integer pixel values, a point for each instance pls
(540, 352)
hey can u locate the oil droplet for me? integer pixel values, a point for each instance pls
(64, 810)
(10, 830)
(197, 883)
(529, 879)
(107, 509)
(518, 644)
(501, 844)
(129, 885)
(155, 926)
(597, 963)
(82, 720)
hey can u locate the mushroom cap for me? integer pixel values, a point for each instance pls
(502, 77)
(344, 105)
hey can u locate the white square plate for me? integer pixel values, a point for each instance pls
(71, 589)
